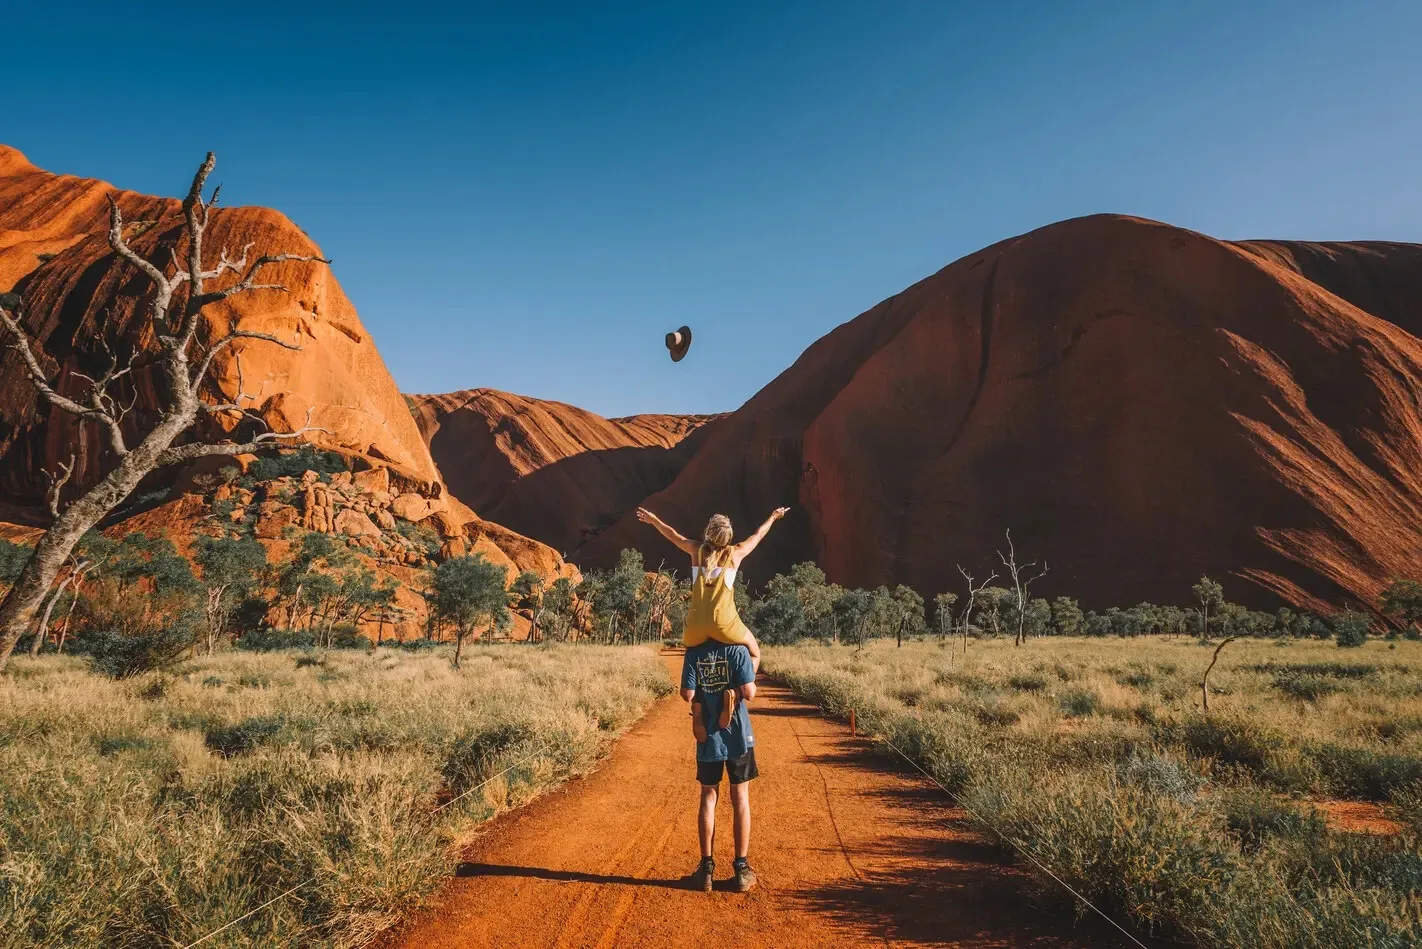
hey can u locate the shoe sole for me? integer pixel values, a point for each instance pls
(728, 708)
(743, 887)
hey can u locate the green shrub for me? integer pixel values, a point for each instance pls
(1078, 703)
(1233, 741)
(245, 735)
(1160, 774)
(266, 640)
(1366, 773)
(1027, 683)
(1254, 815)
(1308, 688)
(293, 464)
(118, 656)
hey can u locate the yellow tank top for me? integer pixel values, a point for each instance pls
(713, 614)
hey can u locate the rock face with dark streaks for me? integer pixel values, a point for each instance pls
(1140, 404)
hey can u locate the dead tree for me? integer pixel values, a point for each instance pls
(1022, 579)
(182, 362)
(973, 592)
(1205, 679)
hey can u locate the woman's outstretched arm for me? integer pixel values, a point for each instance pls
(744, 548)
(666, 530)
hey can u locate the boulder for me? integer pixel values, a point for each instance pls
(273, 521)
(354, 524)
(375, 480)
(384, 519)
(411, 507)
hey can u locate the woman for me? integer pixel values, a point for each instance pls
(714, 565)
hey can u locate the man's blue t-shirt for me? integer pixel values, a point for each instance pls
(710, 669)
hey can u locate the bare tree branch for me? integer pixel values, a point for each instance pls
(36, 373)
(247, 283)
(228, 340)
(56, 485)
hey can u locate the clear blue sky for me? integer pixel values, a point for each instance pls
(529, 195)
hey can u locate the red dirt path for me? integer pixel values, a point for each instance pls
(849, 850)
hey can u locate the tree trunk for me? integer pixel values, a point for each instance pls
(42, 633)
(458, 646)
(17, 610)
(1205, 680)
(69, 613)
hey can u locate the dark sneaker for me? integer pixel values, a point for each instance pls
(704, 875)
(744, 877)
(728, 708)
(698, 722)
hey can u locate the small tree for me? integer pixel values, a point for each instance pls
(1210, 595)
(230, 570)
(911, 612)
(527, 593)
(943, 614)
(1023, 576)
(183, 361)
(1067, 618)
(559, 608)
(469, 592)
(851, 612)
(974, 593)
(1402, 603)
(1351, 627)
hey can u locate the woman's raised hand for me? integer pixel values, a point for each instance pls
(779, 512)
(646, 516)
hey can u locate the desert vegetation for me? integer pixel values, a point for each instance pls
(1218, 828)
(153, 809)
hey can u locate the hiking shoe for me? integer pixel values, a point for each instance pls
(702, 878)
(698, 722)
(744, 877)
(728, 708)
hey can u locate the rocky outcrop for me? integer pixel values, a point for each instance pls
(549, 470)
(77, 293)
(1140, 404)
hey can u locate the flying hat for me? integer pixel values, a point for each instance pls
(678, 343)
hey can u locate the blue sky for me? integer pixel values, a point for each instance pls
(529, 195)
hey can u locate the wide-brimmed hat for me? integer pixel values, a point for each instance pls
(678, 343)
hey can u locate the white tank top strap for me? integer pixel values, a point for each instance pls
(714, 572)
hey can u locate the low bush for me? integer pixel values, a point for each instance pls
(121, 656)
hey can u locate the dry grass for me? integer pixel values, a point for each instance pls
(1096, 755)
(150, 812)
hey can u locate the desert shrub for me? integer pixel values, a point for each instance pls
(244, 736)
(1233, 741)
(1254, 815)
(1351, 628)
(293, 464)
(1136, 679)
(1078, 703)
(121, 656)
(1160, 774)
(266, 639)
(1308, 688)
(1367, 773)
(1027, 683)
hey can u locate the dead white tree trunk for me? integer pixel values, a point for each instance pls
(183, 363)
(972, 597)
(1021, 581)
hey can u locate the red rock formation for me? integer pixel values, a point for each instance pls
(1140, 404)
(549, 470)
(338, 373)
(53, 250)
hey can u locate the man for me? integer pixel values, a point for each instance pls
(714, 674)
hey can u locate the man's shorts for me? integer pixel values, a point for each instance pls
(740, 769)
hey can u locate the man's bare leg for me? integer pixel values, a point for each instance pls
(706, 819)
(741, 817)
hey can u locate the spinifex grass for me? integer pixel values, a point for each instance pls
(1095, 755)
(150, 812)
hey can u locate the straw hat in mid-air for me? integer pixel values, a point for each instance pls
(678, 343)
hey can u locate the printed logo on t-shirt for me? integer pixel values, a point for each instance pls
(712, 673)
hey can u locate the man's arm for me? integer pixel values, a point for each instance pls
(743, 673)
(688, 679)
(683, 543)
(744, 548)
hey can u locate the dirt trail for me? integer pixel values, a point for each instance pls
(849, 850)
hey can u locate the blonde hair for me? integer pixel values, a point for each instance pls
(716, 541)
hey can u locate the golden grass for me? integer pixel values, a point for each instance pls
(1096, 756)
(152, 811)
